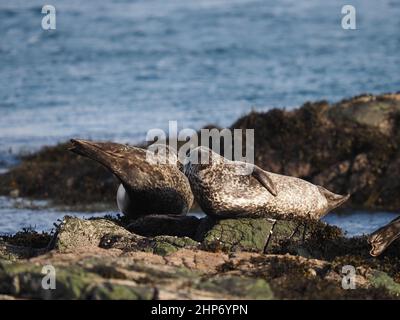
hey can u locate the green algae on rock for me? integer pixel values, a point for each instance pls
(161, 245)
(74, 233)
(381, 279)
(72, 282)
(238, 235)
(117, 291)
(167, 267)
(164, 245)
(245, 287)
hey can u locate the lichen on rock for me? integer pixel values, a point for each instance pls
(74, 233)
(238, 235)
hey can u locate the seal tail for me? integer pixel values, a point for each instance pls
(383, 237)
(334, 200)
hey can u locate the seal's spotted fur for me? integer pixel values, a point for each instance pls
(222, 188)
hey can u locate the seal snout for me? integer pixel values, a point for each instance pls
(102, 152)
(76, 146)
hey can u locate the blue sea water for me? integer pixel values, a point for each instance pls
(114, 69)
(19, 213)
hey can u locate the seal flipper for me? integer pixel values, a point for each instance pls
(334, 200)
(263, 177)
(383, 237)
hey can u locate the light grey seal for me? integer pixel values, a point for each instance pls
(382, 238)
(225, 188)
(147, 187)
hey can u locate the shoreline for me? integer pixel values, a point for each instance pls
(183, 257)
(352, 146)
(171, 257)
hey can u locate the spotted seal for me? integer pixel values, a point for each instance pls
(382, 238)
(225, 188)
(146, 187)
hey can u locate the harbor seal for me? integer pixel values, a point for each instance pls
(225, 188)
(146, 188)
(382, 238)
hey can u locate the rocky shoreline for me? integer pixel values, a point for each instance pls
(349, 147)
(210, 259)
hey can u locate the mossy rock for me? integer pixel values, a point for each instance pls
(243, 287)
(25, 280)
(74, 233)
(381, 279)
(112, 291)
(238, 235)
(7, 255)
(164, 245)
(309, 239)
(161, 245)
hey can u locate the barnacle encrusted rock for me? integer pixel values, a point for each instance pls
(74, 233)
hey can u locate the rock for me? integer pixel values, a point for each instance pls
(72, 282)
(6, 297)
(311, 239)
(117, 291)
(381, 279)
(370, 110)
(24, 244)
(195, 274)
(25, 280)
(170, 225)
(75, 234)
(199, 260)
(244, 287)
(131, 242)
(161, 245)
(237, 235)
(46, 174)
(164, 245)
(14, 193)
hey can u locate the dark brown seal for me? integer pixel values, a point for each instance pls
(382, 238)
(146, 187)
